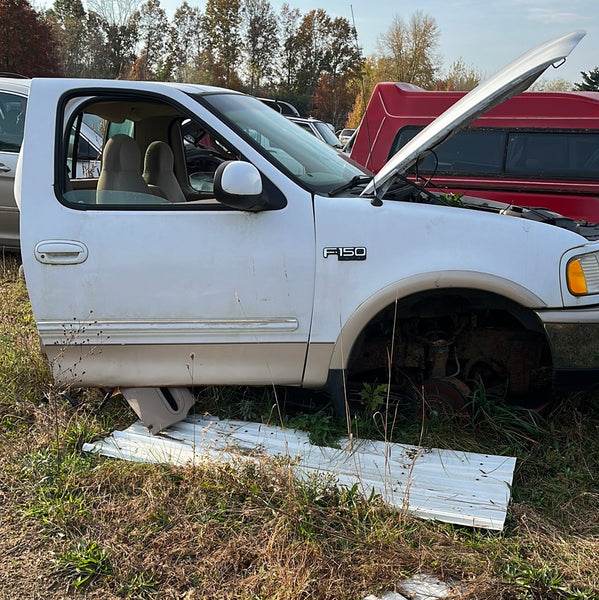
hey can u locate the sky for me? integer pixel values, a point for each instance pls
(485, 34)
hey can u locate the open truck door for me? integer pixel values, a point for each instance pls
(141, 277)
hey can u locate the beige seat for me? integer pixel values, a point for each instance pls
(120, 180)
(158, 171)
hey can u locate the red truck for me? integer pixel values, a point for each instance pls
(538, 149)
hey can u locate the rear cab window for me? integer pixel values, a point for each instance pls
(497, 152)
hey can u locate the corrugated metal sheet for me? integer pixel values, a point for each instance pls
(455, 487)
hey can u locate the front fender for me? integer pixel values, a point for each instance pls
(425, 282)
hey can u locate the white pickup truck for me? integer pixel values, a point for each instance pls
(220, 244)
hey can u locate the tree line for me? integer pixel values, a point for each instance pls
(312, 60)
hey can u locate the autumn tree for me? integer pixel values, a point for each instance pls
(408, 51)
(110, 48)
(555, 84)
(314, 46)
(112, 37)
(222, 41)
(332, 100)
(70, 25)
(459, 77)
(342, 55)
(260, 42)
(288, 23)
(363, 91)
(185, 43)
(310, 46)
(27, 42)
(90, 44)
(341, 66)
(114, 12)
(152, 30)
(590, 81)
(120, 47)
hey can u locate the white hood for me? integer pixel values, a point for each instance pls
(507, 82)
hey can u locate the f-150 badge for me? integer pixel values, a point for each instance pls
(345, 253)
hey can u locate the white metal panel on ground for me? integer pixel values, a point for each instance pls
(455, 487)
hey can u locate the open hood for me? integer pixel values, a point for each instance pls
(514, 78)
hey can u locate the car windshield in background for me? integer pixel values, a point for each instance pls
(328, 135)
(317, 166)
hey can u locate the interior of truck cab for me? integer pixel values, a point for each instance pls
(146, 153)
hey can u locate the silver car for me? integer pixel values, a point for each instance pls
(14, 92)
(319, 129)
(345, 135)
(13, 101)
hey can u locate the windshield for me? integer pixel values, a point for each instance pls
(314, 164)
(327, 135)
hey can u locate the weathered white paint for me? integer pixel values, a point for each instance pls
(191, 294)
(455, 487)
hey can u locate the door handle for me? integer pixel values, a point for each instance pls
(4, 168)
(60, 252)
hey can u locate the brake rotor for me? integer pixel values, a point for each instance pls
(444, 396)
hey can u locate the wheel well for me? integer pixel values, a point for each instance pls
(438, 303)
(459, 333)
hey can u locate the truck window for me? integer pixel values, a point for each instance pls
(84, 149)
(472, 151)
(506, 153)
(137, 152)
(12, 119)
(553, 154)
(126, 127)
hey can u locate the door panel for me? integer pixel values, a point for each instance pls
(154, 293)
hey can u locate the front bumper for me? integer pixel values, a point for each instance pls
(573, 337)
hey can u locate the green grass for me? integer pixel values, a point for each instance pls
(83, 564)
(75, 525)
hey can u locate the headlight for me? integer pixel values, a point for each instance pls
(582, 274)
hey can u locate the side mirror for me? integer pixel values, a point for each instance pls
(238, 184)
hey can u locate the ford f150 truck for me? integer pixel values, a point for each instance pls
(221, 245)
